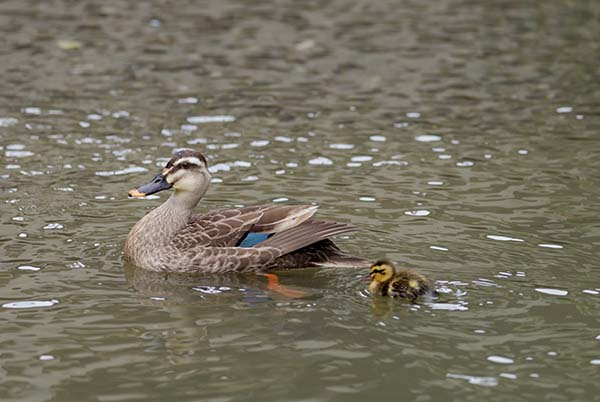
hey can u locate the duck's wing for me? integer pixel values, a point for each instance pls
(229, 227)
(305, 234)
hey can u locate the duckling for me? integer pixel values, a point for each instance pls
(386, 280)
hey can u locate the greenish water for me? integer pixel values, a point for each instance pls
(461, 135)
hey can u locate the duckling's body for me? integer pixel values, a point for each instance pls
(386, 280)
(172, 238)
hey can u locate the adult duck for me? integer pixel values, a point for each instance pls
(172, 238)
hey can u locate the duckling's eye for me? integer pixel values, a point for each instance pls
(186, 165)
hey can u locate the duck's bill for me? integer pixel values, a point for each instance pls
(159, 183)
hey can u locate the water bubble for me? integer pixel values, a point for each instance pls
(564, 109)
(210, 119)
(353, 164)
(444, 156)
(553, 292)
(591, 292)
(18, 154)
(364, 158)
(435, 183)
(595, 362)
(76, 265)
(500, 359)
(189, 100)
(367, 199)
(556, 246)
(28, 268)
(120, 114)
(341, 146)
(504, 238)
(188, 128)
(417, 212)
(396, 163)
(465, 163)
(94, 116)
(32, 110)
(509, 375)
(428, 138)
(413, 115)
(305, 45)
(475, 380)
(131, 169)
(30, 304)
(259, 143)
(211, 290)
(84, 124)
(522, 152)
(321, 160)
(377, 138)
(53, 226)
(46, 357)
(438, 248)
(8, 121)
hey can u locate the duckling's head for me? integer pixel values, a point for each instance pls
(380, 272)
(186, 172)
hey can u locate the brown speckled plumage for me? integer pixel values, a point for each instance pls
(386, 280)
(171, 238)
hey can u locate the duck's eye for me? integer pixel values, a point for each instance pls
(186, 165)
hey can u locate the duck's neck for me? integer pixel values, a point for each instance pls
(157, 228)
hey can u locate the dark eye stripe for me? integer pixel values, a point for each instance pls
(377, 271)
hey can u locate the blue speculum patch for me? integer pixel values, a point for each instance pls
(251, 239)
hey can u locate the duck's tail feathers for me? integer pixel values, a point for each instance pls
(306, 234)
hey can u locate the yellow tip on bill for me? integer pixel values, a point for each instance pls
(136, 194)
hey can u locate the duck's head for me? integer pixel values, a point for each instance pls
(186, 172)
(380, 272)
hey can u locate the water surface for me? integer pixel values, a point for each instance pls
(461, 135)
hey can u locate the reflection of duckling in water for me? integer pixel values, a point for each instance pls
(386, 280)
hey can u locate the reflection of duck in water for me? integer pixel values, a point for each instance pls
(171, 238)
(386, 280)
(176, 288)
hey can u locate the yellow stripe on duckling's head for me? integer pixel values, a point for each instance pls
(380, 272)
